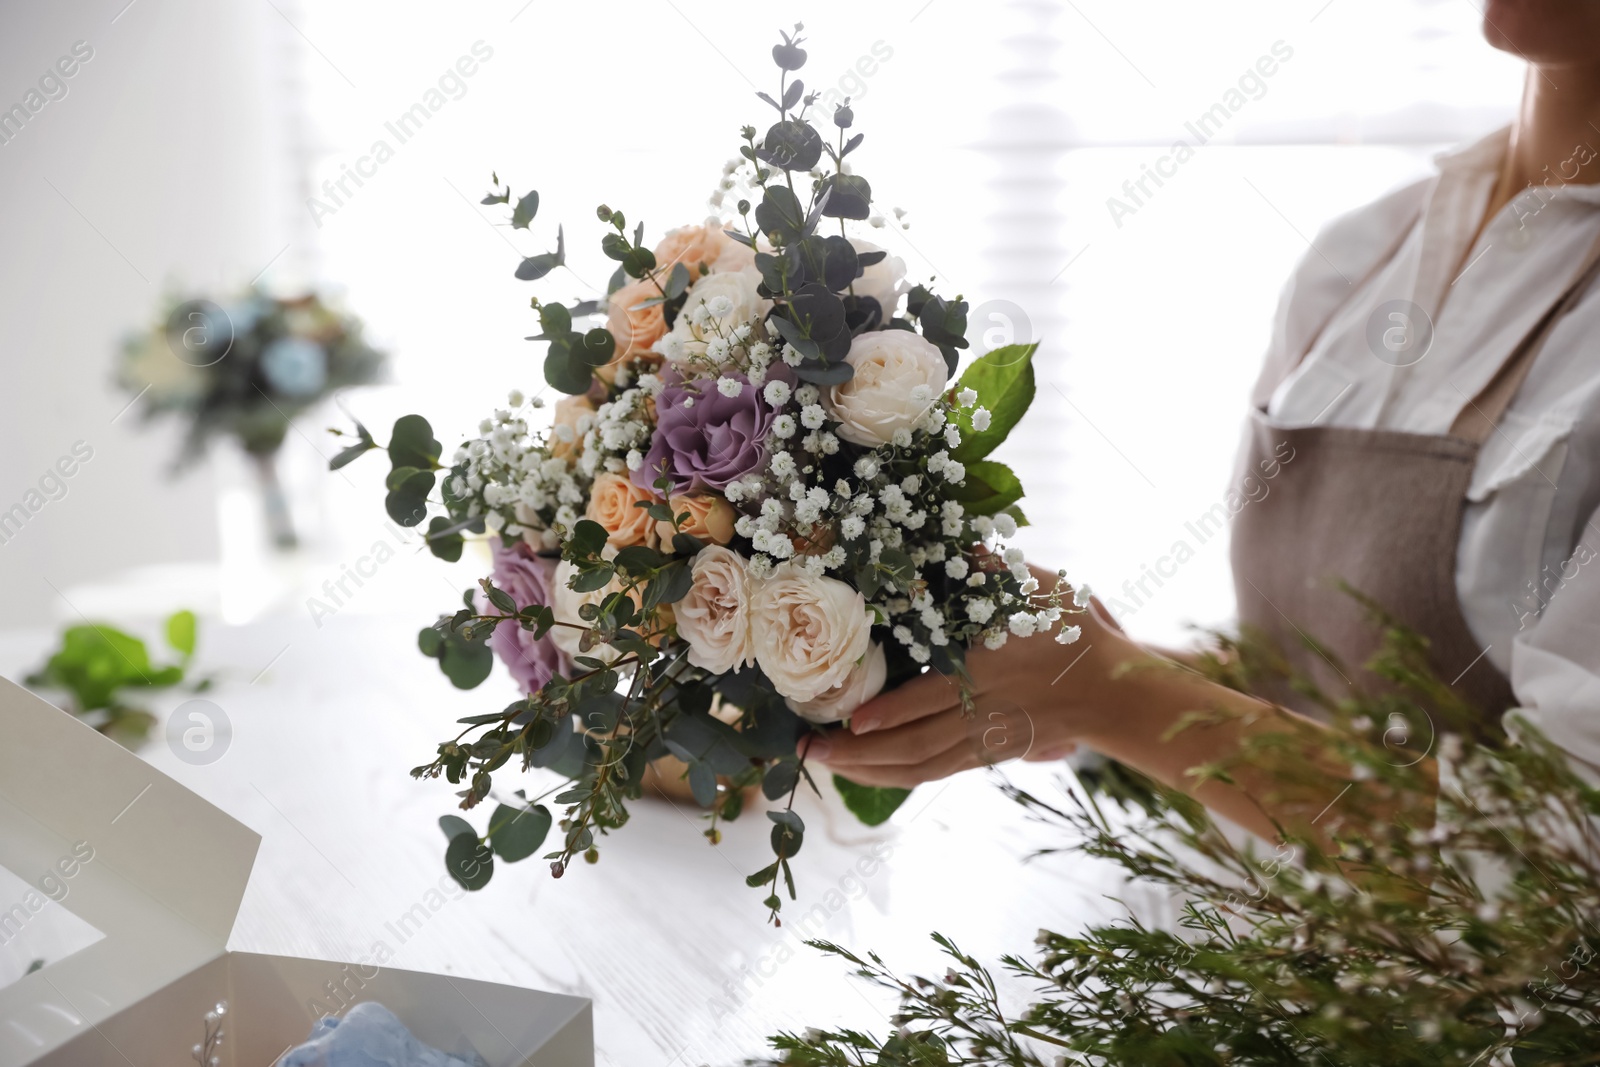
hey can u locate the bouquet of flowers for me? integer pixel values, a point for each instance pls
(245, 370)
(762, 501)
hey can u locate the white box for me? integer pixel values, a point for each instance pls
(162, 883)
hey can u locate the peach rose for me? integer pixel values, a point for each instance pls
(864, 682)
(573, 416)
(710, 518)
(611, 504)
(704, 245)
(808, 631)
(713, 617)
(635, 331)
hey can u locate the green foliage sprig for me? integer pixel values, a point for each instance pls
(100, 669)
(1460, 931)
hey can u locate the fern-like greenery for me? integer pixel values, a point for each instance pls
(1443, 910)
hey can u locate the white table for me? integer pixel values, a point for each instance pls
(662, 934)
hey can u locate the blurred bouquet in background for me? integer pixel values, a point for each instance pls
(766, 497)
(244, 370)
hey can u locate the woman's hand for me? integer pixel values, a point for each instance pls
(1036, 700)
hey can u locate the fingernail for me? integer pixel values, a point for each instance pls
(863, 724)
(817, 750)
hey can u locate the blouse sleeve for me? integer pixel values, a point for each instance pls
(1555, 662)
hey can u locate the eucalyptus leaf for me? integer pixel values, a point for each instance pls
(469, 861)
(517, 833)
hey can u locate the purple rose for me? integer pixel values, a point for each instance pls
(705, 440)
(527, 579)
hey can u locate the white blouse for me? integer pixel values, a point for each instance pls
(1528, 562)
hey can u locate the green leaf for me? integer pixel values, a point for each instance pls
(1003, 380)
(674, 582)
(637, 560)
(791, 144)
(454, 826)
(466, 663)
(364, 444)
(871, 804)
(761, 877)
(850, 197)
(781, 778)
(588, 538)
(677, 282)
(535, 267)
(407, 502)
(412, 444)
(525, 210)
(446, 546)
(565, 369)
(786, 841)
(181, 632)
(554, 321)
(469, 861)
(591, 580)
(780, 216)
(989, 487)
(517, 833)
(596, 347)
(703, 784)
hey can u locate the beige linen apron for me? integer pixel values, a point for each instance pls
(1380, 510)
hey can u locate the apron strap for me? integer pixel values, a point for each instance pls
(1480, 416)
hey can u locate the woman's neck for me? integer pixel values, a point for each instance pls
(1555, 139)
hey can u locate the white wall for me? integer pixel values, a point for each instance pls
(164, 164)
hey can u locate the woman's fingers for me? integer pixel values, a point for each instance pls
(927, 694)
(1050, 754)
(913, 743)
(958, 758)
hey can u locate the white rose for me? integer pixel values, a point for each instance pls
(747, 306)
(565, 603)
(807, 631)
(864, 682)
(882, 281)
(878, 399)
(712, 615)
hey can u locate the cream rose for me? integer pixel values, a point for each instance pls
(743, 305)
(710, 519)
(565, 604)
(864, 682)
(707, 244)
(898, 375)
(713, 616)
(807, 631)
(882, 280)
(612, 502)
